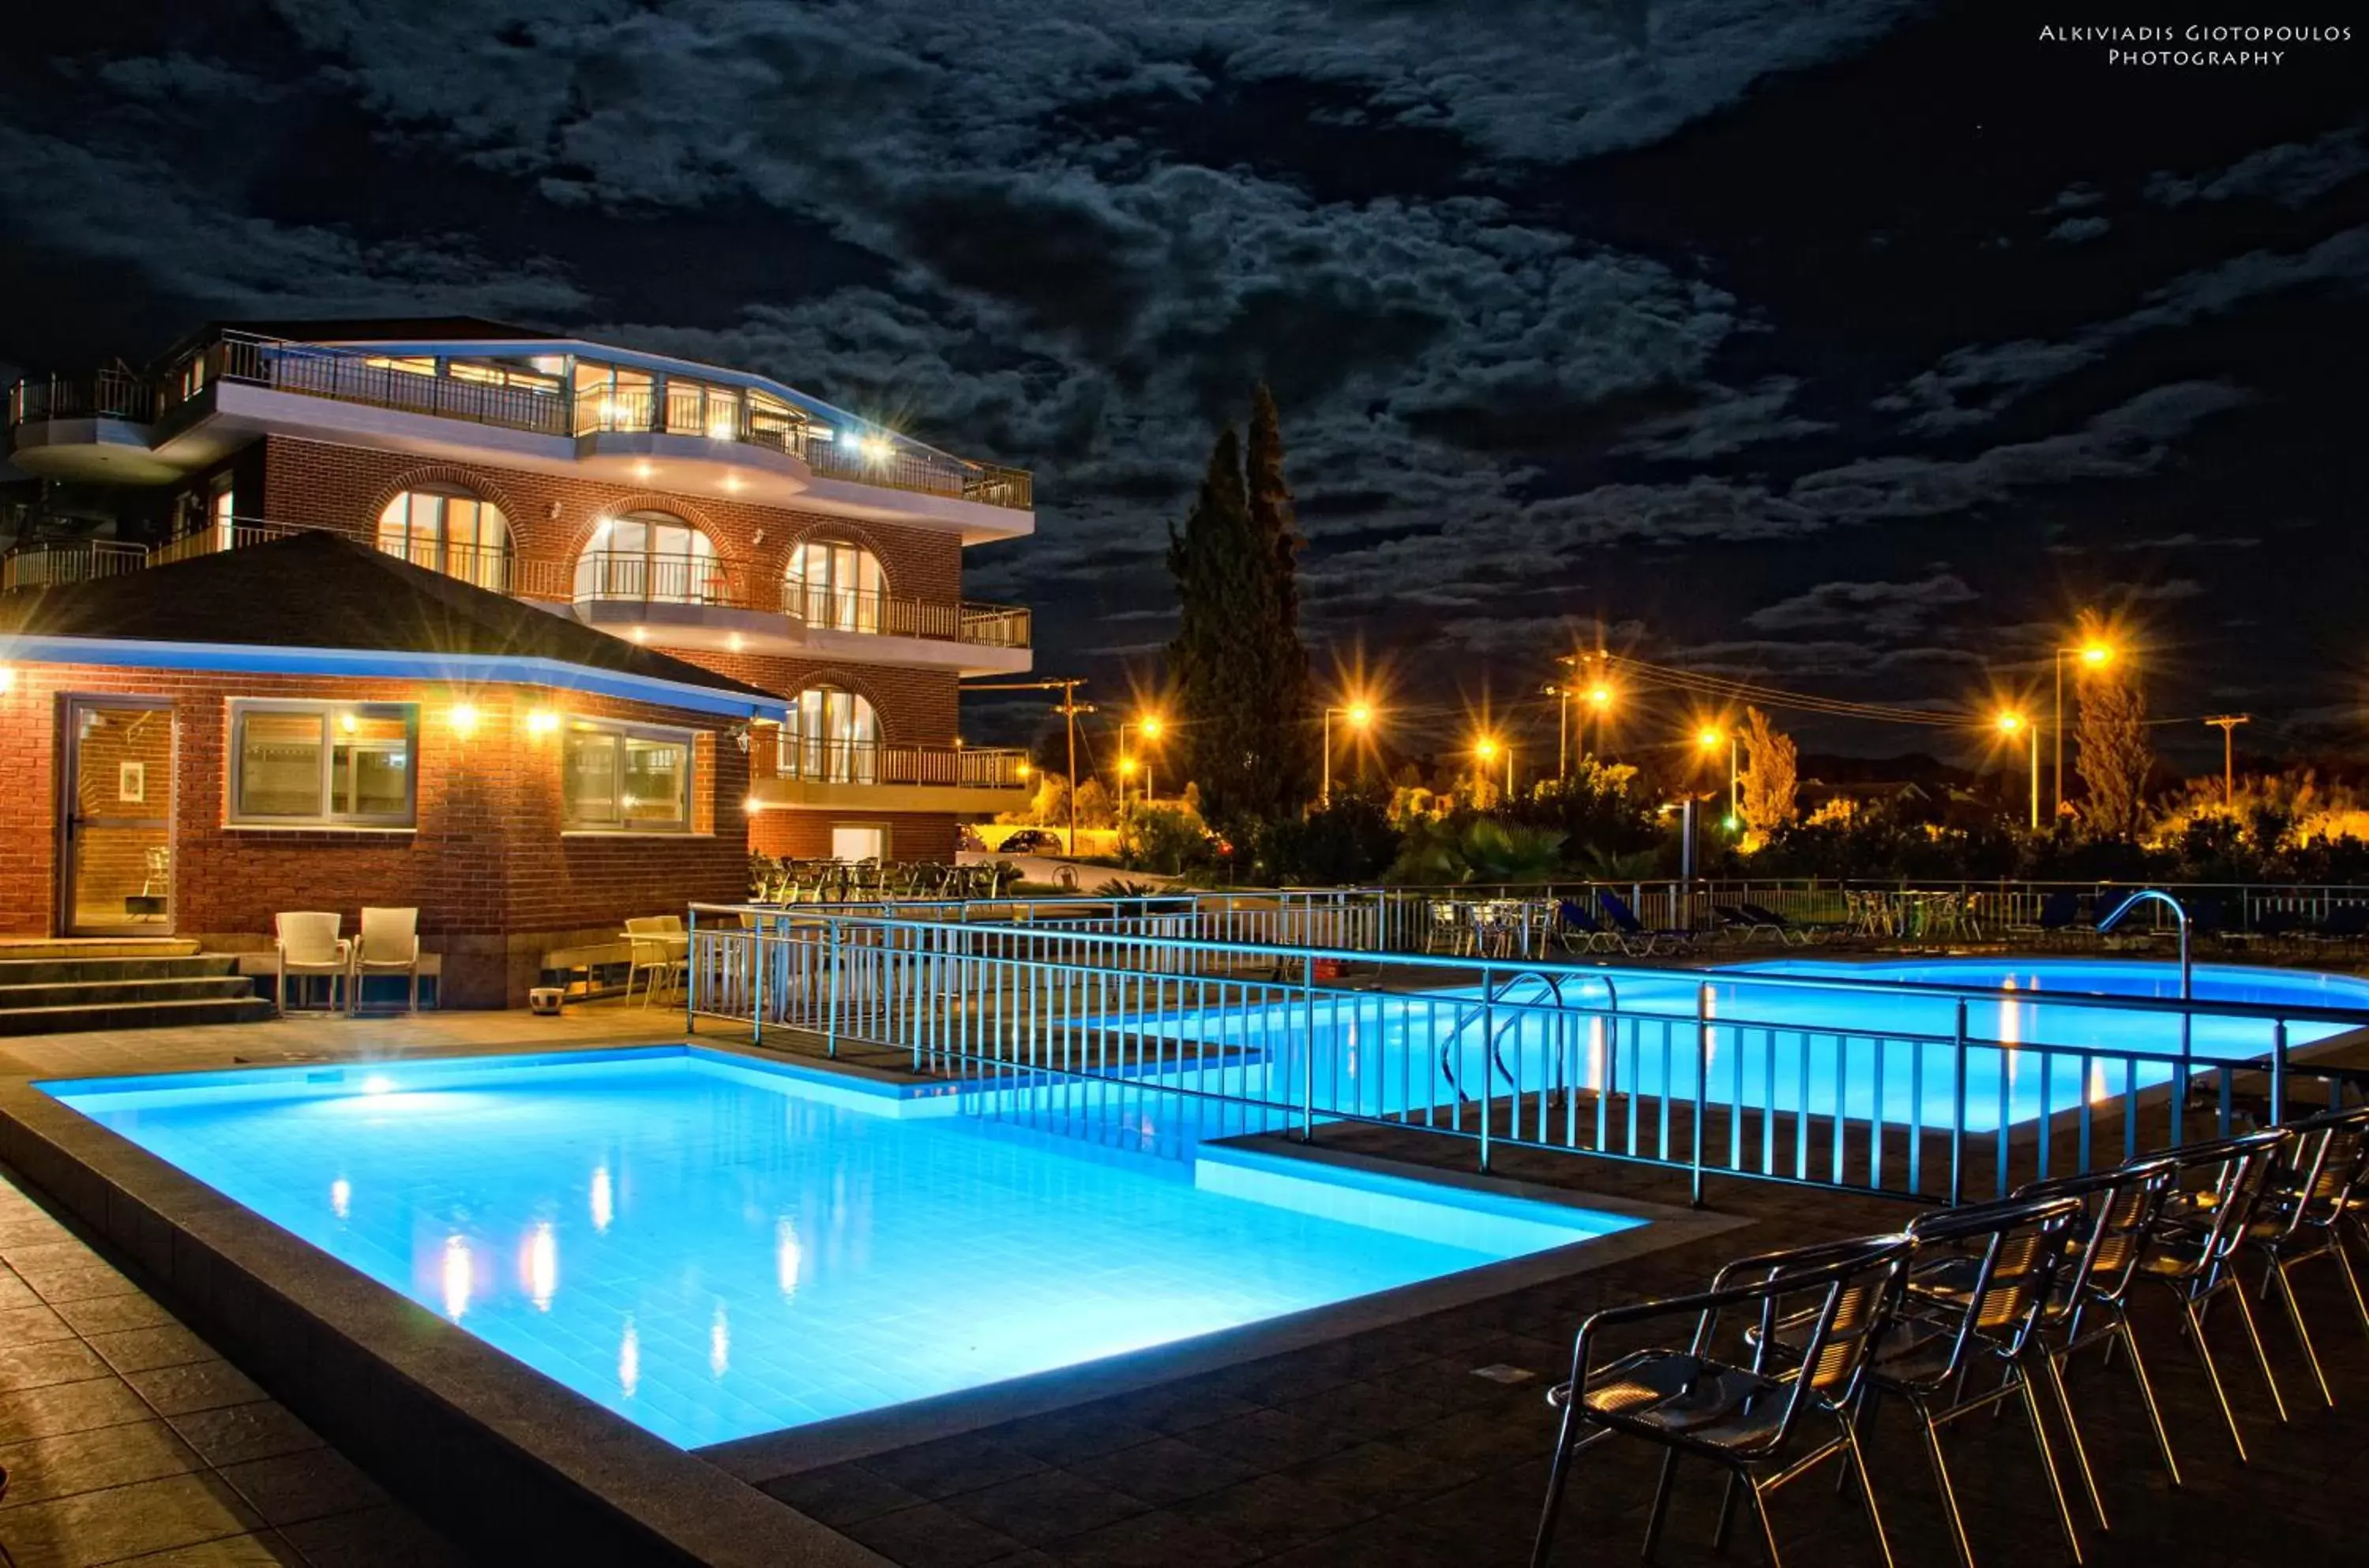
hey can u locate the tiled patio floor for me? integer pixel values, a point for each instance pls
(1381, 1449)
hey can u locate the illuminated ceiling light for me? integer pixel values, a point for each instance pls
(733, 481)
(347, 723)
(643, 470)
(641, 633)
(464, 718)
(732, 641)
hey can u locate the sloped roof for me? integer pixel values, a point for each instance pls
(322, 591)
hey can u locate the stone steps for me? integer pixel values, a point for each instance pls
(60, 987)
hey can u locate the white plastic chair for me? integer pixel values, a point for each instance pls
(306, 942)
(660, 949)
(388, 944)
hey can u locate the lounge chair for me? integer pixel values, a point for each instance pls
(1766, 1422)
(2059, 915)
(1580, 932)
(388, 944)
(1787, 930)
(659, 950)
(2344, 923)
(306, 942)
(1637, 938)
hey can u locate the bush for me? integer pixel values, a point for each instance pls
(1350, 841)
(1170, 839)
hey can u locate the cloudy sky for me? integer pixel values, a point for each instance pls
(1844, 345)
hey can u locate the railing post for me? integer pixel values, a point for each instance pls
(2279, 1073)
(1958, 1113)
(831, 1005)
(1488, 1032)
(757, 982)
(690, 975)
(1702, 1085)
(1308, 1054)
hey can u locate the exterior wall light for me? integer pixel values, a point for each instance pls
(542, 721)
(464, 719)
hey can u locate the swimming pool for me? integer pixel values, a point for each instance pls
(1851, 1051)
(713, 1247)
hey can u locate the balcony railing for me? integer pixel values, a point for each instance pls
(816, 761)
(108, 395)
(424, 385)
(61, 563)
(676, 577)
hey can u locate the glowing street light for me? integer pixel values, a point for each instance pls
(2011, 724)
(1486, 749)
(1360, 714)
(1148, 726)
(2095, 654)
(1707, 738)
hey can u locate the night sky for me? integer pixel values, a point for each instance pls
(1845, 346)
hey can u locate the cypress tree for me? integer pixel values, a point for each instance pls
(1277, 526)
(2113, 757)
(1212, 667)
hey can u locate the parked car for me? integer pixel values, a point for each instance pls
(1030, 841)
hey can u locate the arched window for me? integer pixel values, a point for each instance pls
(834, 586)
(831, 737)
(650, 556)
(449, 531)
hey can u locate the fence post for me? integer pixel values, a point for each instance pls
(1958, 1113)
(1488, 1049)
(690, 975)
(831, 1003)
(1308, 1049)
(2279, 1074)
(1702, 1087)
(757, 981)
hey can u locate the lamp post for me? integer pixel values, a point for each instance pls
(2009, 723)
(1561, 694)
(2094, 656)
(1600, 699)
(1360, 715)
(1709, 740)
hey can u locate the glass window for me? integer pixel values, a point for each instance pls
(831, 737)
(625, 778)
(649, 556)
(695, 408)
(611, 398)
(451, 533)
(323, 763)
(834, 585)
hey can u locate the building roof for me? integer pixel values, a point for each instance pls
(385, 329)
(318, 591)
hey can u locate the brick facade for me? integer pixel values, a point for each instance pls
(320, 485)
(497, 881)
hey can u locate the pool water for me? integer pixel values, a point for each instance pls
(713, 1247)
(1826, 1050)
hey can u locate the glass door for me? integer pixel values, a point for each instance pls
(117, 811)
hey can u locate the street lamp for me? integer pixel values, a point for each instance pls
(1149, 726)
(1125, 771)
(1709, 739)
(1486, 749)
(2010, 724)
(2094, 654)
(1361, 717)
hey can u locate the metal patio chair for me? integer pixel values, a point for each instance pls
(1764, 1420)
(2193, 1250)
(2322, 1182)
(2090, 1302)
(1976, 1292)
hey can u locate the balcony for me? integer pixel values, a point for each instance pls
(117, 425)
(677, 600)
(892, 776)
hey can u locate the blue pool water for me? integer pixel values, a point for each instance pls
(1823, 1049)
(713, 1247)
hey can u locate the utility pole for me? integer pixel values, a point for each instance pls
(1070, 710)
(2227, 725)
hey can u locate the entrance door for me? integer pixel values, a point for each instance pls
(116, 870)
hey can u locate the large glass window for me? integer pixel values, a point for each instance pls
(449, 532)
(831, 737)
(298, 764)
(834, 586)
(649, 556)
(625, 778)
(608, 398)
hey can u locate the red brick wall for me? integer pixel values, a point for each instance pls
(799, 834)
(495, 880)
(321, 484)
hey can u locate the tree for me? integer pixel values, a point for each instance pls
(1770, 776)
(2110, 733)
(1277, 526)
(1236, 666)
